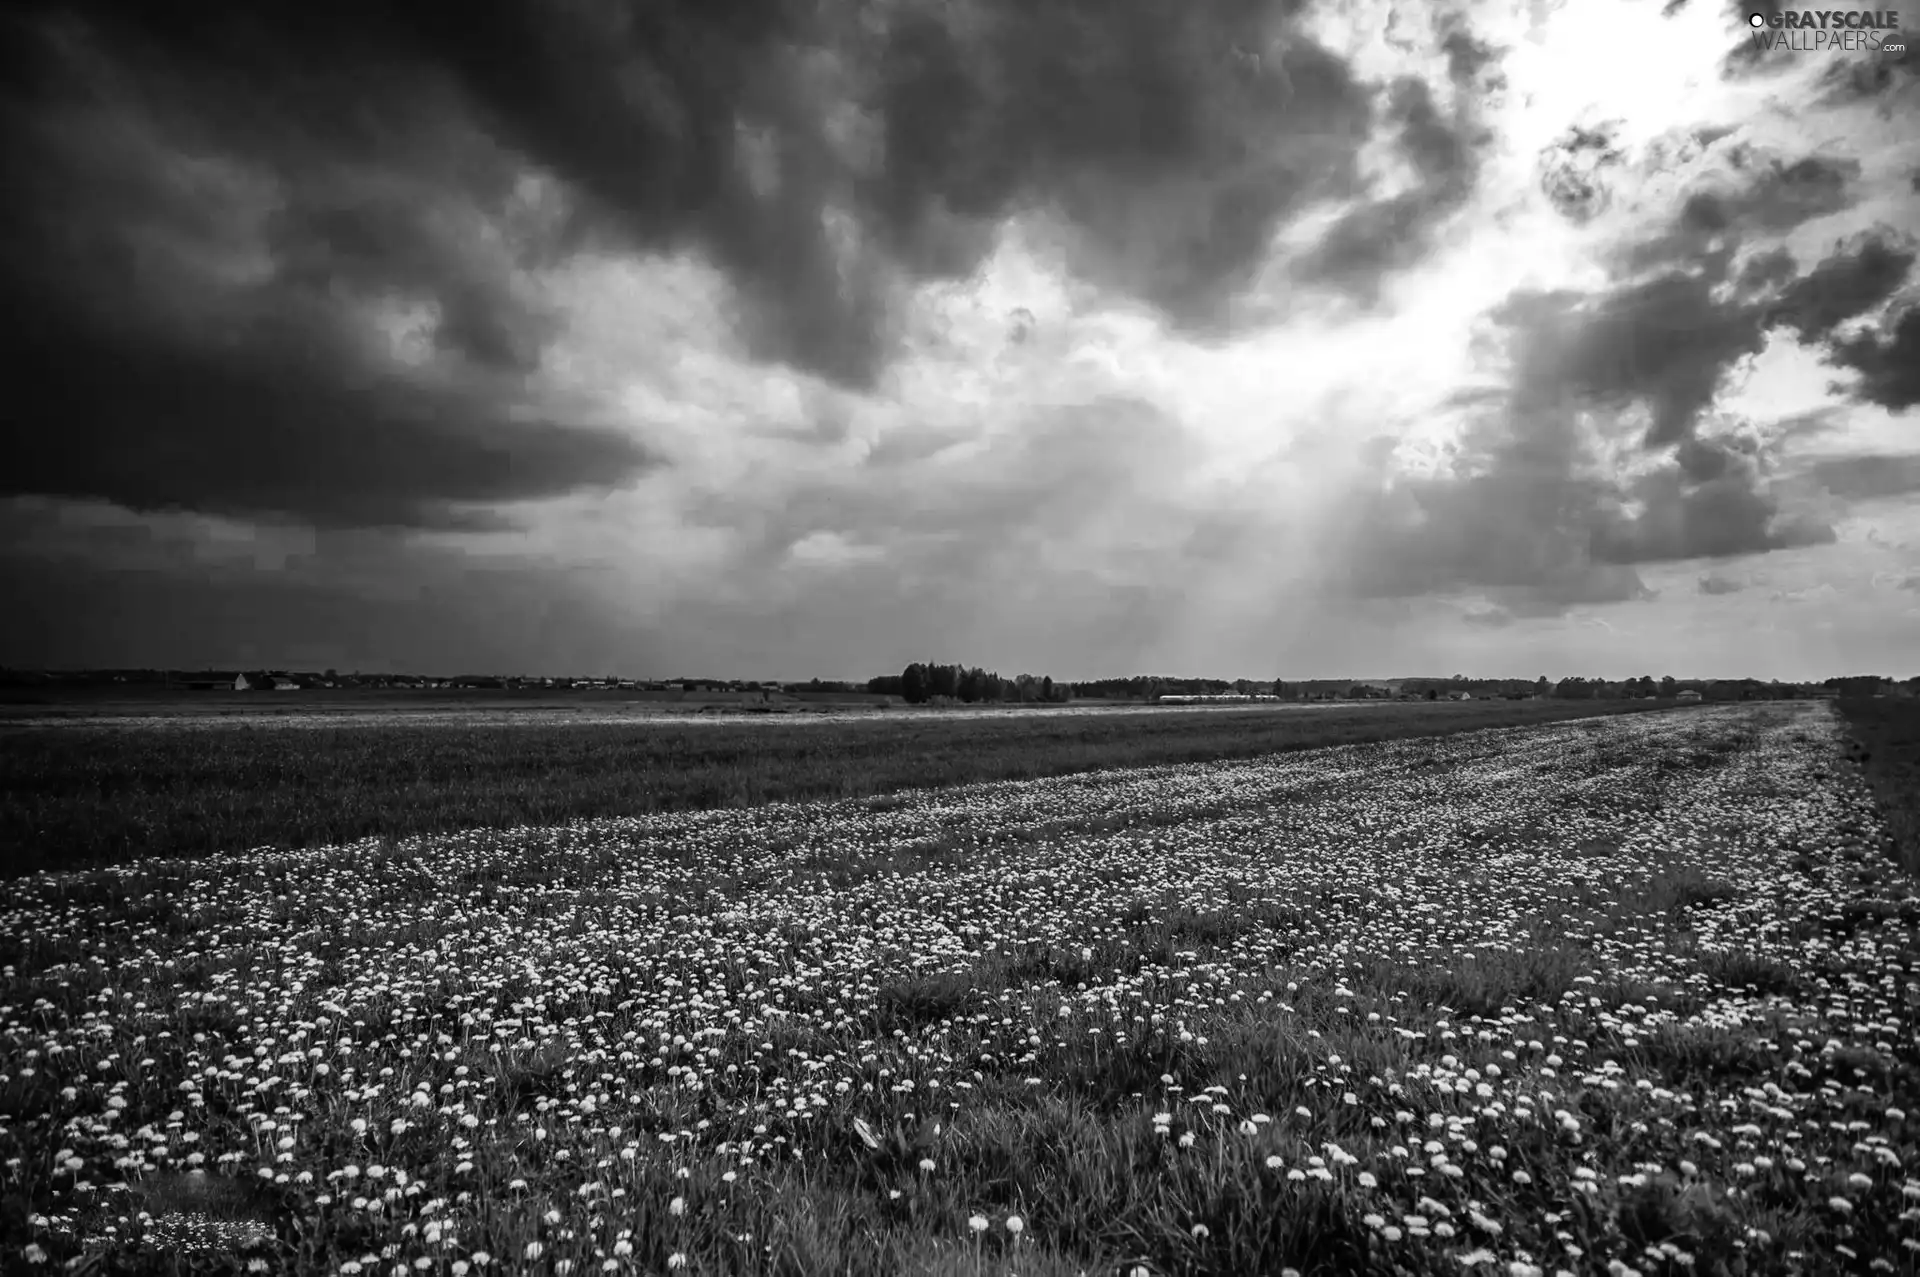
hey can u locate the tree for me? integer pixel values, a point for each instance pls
(1046, 687)
(1669, 686)
(913, 684)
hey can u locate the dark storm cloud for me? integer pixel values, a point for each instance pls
(1381, 235)
(1171, 141)
(1855, 279)
(196, 263)
(1663, 344)
(209, 200)
(1888, 364)
(368, 600)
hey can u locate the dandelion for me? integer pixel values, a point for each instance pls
(1015, 1225)
(978, 1223)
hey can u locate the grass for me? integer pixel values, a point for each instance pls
(1884, 742)
(1566, 998)
(72, 796)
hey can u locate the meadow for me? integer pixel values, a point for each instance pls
(172, 781)
(1624, 994)
(1884, 740)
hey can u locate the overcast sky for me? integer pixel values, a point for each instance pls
(1085, 338)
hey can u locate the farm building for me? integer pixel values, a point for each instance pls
(1688, 697)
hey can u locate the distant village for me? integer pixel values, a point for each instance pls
(954, 684)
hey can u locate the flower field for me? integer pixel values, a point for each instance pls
(1611, 995)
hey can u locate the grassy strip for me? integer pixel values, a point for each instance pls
(76, 796)
(1886, 743)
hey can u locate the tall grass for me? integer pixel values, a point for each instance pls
(1885, 743)
(73, 796)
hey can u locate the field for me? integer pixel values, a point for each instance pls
(1622, 994)
(114, 782)
(1885, 741)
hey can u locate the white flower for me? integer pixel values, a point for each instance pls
(978, 1223)
(1015, 1224)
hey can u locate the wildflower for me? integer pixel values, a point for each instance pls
(677, 1207)
(978, 1223)
(535, 1250)
(677, 1260)
(1015, 1225)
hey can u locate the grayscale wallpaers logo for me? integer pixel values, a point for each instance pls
(1828, 31)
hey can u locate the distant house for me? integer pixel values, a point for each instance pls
(285, 685)
(241, 683)
(1689, 697)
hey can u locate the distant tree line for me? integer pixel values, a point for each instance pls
(922, 683)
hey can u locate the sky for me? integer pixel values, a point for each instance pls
(1088, 338)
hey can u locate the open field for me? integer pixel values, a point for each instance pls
(90, 793)
(1630, 994)
(1885, 738)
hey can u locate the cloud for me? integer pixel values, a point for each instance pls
(1877, 77)
(1853, 280)
(1714, 583)
(1889, 365)
(1868, 476)
(1444, 150)
(1758, 195)
(1488, 618)
(1601, 454)
(203, 592)
(1572, 172)
(238, 312)
(822, 158)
